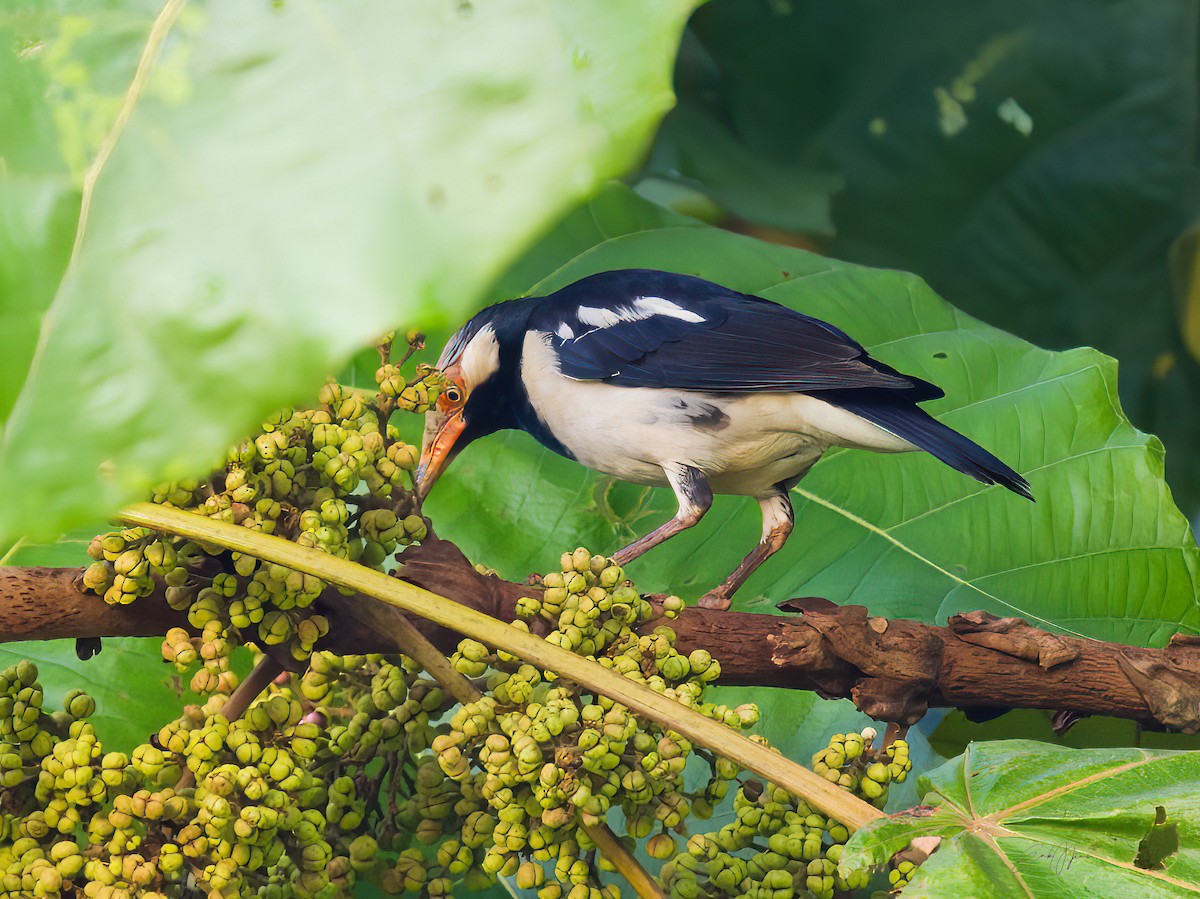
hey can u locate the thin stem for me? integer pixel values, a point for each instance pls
(384, 348)
(412, 348)
(12, 551)
(614, 850)
(892, 733)
(239, 700)
(416, 645)
(247, 691)
(814, 789)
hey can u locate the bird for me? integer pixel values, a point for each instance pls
(666, 379)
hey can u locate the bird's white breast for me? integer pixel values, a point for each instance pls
(743, 443)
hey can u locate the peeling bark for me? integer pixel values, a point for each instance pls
(893, 669)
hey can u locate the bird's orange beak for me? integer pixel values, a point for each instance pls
(437, 453)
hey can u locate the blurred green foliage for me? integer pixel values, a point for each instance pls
(1034, 162)
(248, 192)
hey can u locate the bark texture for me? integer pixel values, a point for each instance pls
(892, 669)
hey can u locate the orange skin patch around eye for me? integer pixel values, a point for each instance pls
(437, 453)
(454, 378)
(445, 402)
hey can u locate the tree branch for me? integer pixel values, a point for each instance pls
(892, 669)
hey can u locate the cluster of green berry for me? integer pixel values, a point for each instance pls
(550, 759)
(36, 851)
(802, 847)
(353, 772)
(55, 786)
(852, 762)
(278, 803)
(285, 830)
(336, 477)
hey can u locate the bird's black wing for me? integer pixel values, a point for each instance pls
(641, 328)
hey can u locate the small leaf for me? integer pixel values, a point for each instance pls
(1160, 843)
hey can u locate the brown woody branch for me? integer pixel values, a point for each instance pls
(892, 669)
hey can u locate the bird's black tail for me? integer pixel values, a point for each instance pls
(923, 430)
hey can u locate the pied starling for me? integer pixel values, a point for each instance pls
(665, 379)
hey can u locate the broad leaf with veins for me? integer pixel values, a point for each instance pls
(283, 183)
(1024, 819)
(1103, 551)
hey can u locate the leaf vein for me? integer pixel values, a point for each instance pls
(875, 529)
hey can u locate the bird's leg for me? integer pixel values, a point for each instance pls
(778, 518)
(695, 498)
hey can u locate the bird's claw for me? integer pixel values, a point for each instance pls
(715, 600)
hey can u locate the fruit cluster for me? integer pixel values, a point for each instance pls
(850, 761)
(777, 847)
(335, 477)
(551, 759)
(278, 803)
(352, 771)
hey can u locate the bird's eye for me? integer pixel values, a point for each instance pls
(452, 394)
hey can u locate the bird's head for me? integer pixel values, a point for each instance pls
(465, 409)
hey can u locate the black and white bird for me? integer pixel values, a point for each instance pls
(665, 379)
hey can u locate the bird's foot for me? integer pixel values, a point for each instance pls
(715, 599)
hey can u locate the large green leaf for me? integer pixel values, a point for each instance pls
(1033, 161)
(284, 182)
(1104, 551)
(63, 77)
(1025, 819)
(955, 732)
(695, 150)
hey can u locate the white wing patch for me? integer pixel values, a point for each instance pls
(640, 309)
(564, 332)
(658, 306)
(605, 318)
